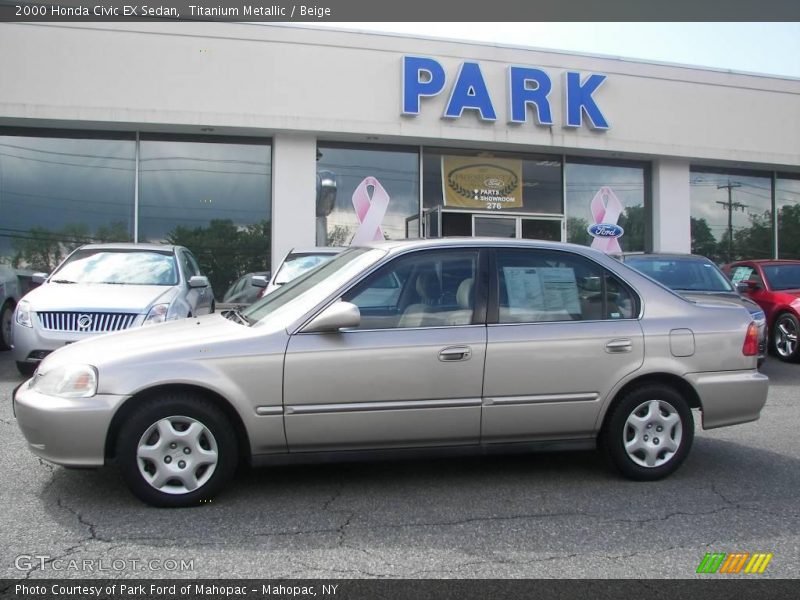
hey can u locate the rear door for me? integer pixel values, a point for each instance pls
(562, 332)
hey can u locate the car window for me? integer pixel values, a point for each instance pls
(783, 276)
(296, 264)
(133, 267)
(541, 285)
(424, 289)
(190, 268)
(693, 273)
(745, 273)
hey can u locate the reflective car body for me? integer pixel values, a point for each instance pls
(775, 286)
(698, 279)
(101, 288)
(488, 345)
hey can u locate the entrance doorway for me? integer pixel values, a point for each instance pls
(443, 223)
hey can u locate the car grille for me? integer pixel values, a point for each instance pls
(85, 322)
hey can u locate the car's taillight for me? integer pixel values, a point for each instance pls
(750, 346)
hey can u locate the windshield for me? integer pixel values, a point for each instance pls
(783, 277)
(301, 294)
(685, 274)
(132, 267)
(297, 264)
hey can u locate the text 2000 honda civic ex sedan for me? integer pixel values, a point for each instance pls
(459, 344)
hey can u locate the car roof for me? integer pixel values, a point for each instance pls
(661, 255)
(131, 246)
(768, 261)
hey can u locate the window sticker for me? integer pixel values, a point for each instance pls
(549, 289)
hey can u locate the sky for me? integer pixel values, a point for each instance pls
(768, 48)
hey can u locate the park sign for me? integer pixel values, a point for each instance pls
(527, 87)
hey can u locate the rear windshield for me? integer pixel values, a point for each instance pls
(131, 267)
(685, 274)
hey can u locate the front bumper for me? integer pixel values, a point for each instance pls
(66, 431)
(730, 397)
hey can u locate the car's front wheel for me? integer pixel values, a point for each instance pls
(649, 432)
(784, 337)
(176, 450)
(6, 316)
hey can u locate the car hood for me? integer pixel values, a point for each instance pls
(151, 343)
(720, 299)
(98, 297)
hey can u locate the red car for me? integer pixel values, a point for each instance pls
(775, 286)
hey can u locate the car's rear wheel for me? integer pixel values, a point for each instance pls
(177, 450)
(784, 337)
(649, 432)
(6, 316)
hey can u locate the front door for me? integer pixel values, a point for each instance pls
(410, 375)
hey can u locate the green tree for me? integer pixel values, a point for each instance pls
(703, 241)
(633, 222)
(577, 231)
(225, 251)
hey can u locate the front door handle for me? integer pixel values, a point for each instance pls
(619, 345)
(454, 353)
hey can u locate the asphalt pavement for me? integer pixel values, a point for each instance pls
(531, 516)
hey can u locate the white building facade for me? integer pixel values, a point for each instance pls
(242, 141)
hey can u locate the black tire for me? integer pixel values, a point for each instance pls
(6, 316)
(26, 368)
(178, 409)
(635, 405)
(784, 338)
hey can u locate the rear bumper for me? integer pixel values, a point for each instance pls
(730, 397)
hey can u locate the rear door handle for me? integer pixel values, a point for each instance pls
(454, 353)
(619, 345)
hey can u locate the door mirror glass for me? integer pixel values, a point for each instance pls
(198, 281)
(340, 315)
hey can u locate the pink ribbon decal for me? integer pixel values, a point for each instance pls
(370, 210)
(606, 210)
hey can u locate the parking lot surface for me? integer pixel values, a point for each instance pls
(528, 516)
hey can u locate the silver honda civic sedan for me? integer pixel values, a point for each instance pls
(456, 345)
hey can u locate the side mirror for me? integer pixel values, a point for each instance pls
(259, 281)
(198, 281)
(747, 286)
(38, 278)
(339, 315)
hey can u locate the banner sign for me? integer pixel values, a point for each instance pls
(482, 183)
(371, 202)
(606, 210)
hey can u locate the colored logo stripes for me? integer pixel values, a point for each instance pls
(735, 562)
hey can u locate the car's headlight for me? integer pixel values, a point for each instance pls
(157, 314)
(69, 381)
(23, 314)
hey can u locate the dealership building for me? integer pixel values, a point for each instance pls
(244, 140)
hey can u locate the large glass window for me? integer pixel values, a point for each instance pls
(731, 215)
(787, 200)
(492, 181)
(365, 193)
(211, 196)
(607, 205)
(57, 193)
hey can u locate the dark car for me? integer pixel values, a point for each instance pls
(775, 286)
(698, 279)
(244, 290)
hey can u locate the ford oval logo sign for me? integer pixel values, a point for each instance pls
(605, 230)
